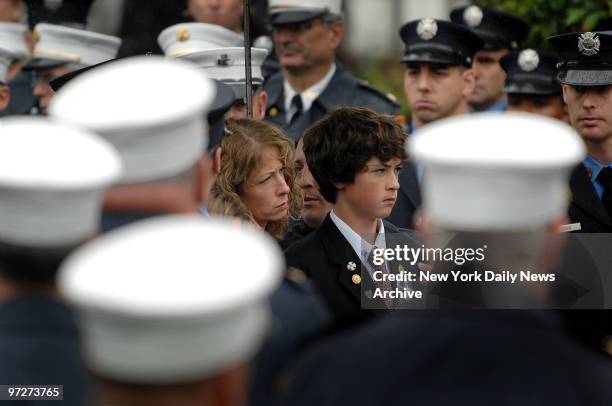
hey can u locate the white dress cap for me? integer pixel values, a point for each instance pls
(59, 44)
(496, 172)
(52, 178)
(12, 40)
(151, 109)
(173, 299)
(331, 6)
(185, 38)
(227, 65)
(12, 46)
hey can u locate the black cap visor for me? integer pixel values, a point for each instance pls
(532, 89)
(57, 83)
(435, 54)
(297, 16)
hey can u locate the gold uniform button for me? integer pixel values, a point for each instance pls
(183, 34)
(356, 279)
(273, 112)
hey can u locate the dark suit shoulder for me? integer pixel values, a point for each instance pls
(410, 347)
(299, 254)
(347, 90)
(387, 101)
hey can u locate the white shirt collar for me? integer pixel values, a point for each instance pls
(361, 247)
(308, 96)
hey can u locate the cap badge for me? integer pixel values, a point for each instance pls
(427, 28)
(588, 44)
(183, 34)
(53, 5)
(528, 60)
(225, 60)
(351, 266)
(473, 16)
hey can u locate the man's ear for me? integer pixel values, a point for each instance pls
(470, 82)
(5, 96)
(337, 30)
(339, 186)
(259, 107)
(565, 89)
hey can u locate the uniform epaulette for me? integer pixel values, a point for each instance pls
(385, 96)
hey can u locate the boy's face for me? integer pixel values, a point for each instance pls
(373, 193)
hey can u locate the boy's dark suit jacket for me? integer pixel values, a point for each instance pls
(327, 257)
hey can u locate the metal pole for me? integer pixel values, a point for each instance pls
(247, 58)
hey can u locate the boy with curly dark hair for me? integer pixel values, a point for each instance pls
(355, 155)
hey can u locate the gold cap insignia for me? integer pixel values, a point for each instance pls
(183, 34)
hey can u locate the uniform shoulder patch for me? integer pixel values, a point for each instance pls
(388, 97)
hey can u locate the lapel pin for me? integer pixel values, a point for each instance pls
(356, 279)
(351, 266)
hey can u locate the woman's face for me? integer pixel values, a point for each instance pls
(266, 193)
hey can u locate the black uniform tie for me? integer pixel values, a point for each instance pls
(605, 178)
(296, 102)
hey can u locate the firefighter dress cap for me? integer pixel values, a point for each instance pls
(439, 42)
(153, 110)
(506, 172)
(154, 310)
(52, 178)
(186, 38)
(283, 12)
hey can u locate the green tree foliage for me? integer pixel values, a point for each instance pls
(551, 17)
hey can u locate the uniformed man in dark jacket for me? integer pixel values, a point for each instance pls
(586, 77)
(437, 82)
(52, 178)
(501, 33)
(311, 83)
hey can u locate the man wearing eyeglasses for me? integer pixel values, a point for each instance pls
(311, 83)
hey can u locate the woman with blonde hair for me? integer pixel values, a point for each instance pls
(256, 181)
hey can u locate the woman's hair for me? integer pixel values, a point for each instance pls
(241, 159)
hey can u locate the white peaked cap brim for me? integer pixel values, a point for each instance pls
(185, 38)
(333, 6)
(73, 45)
(496, 171)
(52, 178)
(169, 300)
(151, 109)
